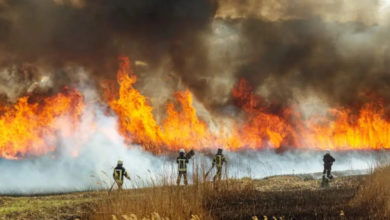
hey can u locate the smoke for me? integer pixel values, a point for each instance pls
(288, 50)
(291, 50)
(85, 160)
(327, 52)
(88, 33)
(91, 168)
(61, 171)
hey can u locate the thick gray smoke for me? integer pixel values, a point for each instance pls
(288, 50)
(56, 34)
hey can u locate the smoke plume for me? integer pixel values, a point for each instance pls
(335, 50)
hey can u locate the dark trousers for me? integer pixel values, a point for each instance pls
(218, 175)
(327, 171)
(184, 174)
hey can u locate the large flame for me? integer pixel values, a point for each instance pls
(261, 127)
(181, 128)
(137, 122)
(32, 129)
(366, 129)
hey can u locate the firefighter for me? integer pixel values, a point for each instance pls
(182, 162)
(218, 162)
(328, 162)
(119, 173)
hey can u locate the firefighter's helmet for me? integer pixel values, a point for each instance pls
(182, 151)
(120, 162)
(219, 151)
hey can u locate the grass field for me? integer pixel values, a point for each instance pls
(282, 197)
(66, 206)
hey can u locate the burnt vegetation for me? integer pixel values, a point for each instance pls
(281, 197)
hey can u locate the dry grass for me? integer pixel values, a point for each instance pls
(286, 197)
(373, 195)
(290, 197)
(171, 202)
(159, 194)
(64, 206)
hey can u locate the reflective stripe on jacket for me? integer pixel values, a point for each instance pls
(219, 159)
(119, 173)
(182, 162)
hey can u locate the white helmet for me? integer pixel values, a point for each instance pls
(182, 150)
(120, 162)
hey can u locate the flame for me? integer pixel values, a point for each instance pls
(258, 128)
(368, 129)
(31, 129)
(261, 126)
(136, 120)
(181, 128)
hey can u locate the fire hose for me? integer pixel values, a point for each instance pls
(208, 172)
(112, 186)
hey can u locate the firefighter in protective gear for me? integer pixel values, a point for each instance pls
(218, 162)
(182, 162)
(328, 162)
(119, 173)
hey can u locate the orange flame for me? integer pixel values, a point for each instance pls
(261, 128)
(30, 128)
(181, 129)
(136, 120)
(368, 129)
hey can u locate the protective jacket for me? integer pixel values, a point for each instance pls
(119, 173)
(328, 160)
(182, 163)
(218, 160)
